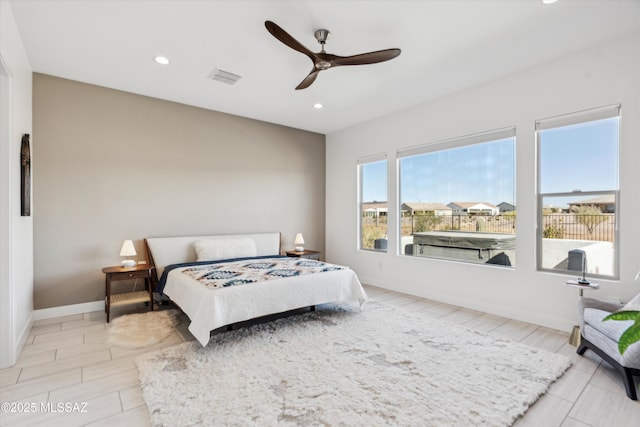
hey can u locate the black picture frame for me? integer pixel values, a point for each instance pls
(25, 176)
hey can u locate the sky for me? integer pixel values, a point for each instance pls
(582, 156)
(472, 173)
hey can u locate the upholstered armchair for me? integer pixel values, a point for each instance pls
(602, 338)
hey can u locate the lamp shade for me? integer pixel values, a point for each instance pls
(299, 239)
(128, 249)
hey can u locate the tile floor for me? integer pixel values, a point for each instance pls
(67, 360)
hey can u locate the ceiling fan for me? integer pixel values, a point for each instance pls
(323, 60)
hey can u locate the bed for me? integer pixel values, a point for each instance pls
(220, 280)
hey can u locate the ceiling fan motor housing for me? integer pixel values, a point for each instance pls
(321, 36)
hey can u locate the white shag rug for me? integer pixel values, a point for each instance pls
(142, 329)
(343, 367)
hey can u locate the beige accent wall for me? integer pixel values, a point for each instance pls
(110, 165)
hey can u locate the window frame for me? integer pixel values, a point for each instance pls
(565, 120)
(450, 144)
(361, 162)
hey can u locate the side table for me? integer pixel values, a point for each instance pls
(116, 273)
(308, 254)
(574, 338)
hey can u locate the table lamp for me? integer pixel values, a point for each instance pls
(299, 241)
(128, 250)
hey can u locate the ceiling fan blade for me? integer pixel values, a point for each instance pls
(309, 79)
(366, 58)
(286, 38)
(323, 60)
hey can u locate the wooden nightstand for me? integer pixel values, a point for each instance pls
(305, 254)
(113, 274)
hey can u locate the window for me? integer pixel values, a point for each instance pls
(457, 199)
(578, 192)
(373, 209)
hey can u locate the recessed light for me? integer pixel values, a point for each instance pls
(162, 60)
(549, 1)
(317, 106)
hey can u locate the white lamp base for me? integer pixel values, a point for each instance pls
(299, 249)
(129, 263)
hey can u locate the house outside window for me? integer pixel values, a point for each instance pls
(578, 193)
(450, 193)
(372, 202)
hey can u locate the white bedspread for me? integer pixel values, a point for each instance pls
(210, 308)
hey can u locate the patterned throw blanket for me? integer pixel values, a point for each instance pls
(251, 271)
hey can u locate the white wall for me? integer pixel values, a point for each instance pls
(603, 75)
(16, 232)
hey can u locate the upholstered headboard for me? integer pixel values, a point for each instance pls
(164, 251)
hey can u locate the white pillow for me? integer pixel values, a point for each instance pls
(633, 305)
(217, 249)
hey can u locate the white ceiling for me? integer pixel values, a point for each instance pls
(447, 45)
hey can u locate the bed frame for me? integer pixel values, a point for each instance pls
(163, 251)
(208, 310)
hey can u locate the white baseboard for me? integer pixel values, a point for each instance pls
(68, 310)
(22, 338)
(560, 324)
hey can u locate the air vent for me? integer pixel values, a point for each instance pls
(224, 76)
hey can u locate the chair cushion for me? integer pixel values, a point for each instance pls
(633, 305)
(605, 336)
(630, 358)
(612, 329)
